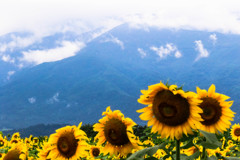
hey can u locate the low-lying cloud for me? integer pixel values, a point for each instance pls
(167, 50)
(67, 49)
(32, 100)
(114, 40)
(202, 52)
(142, 52)
(213, 38)
(53, 99)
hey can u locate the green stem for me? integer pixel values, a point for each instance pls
(177, 149)
(203, 154)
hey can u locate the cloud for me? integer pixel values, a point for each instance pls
(7, 58)
(67, 49)
(202, 52)
(178, 54)
(114, 40)
(9, 74)
(53, 99)
(43, 17)
(32, 100)
(142, 52)
(163, 52)
(18, 42)
(213, 37)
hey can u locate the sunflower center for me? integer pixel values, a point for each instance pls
(212, 111)
(95, 152)
(67, 144)
(1, 142)
(237, 132)
(167, 110)
(115, 132)
(170, 109)
(12, 155)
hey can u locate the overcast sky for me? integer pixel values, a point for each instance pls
(46, 16)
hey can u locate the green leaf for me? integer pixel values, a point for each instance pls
(188, 145)
(151, 158)
(212, 158)
(209, 145)
(192, 157)
(211, 140)
(231, 158)
(150, 151)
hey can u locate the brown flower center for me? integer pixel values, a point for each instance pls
(212, 111)
(1, 142)
(115, 132)
(67, 144)
(95, 152)
(12, 155)
(237, 132)
(170, 109)
(14, 141)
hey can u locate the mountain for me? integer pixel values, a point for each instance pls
(110, 71)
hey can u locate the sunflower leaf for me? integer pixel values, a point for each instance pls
(150, 151)
(192, 157)
(209, 145)
(212, 158)
(211, 140)
(231, 158)
(188, 145)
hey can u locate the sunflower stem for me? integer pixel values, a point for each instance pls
(203, 154)
(177, 149)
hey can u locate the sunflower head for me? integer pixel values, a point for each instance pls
(216, 110)
(95, 151)
(68, 142)
(117, 132)
(235, 132)
(17, 152)
(170, 111)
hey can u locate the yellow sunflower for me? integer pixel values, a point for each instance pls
(216, 110)
(117, 132)
(95, 151)
(170, 112)
(44, 152)
(235, 132)
(68, 143)
(17, 152)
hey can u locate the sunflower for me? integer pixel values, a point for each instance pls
(17, 152)
(117, 132)
(95, 151)
(216, 110)
(44, 152)
(235, 132)
(170, 112)
(68, 143)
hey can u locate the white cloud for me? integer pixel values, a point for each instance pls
(18, 42)
(67, 49)
(53, 99)
(142, 52)
(178, 54)
(9, 74)
(202, 52)
(114, 40)
(7, 58)
(213, 37)
(32, 100)
(163, 52)
(43, 16)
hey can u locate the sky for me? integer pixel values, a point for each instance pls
(46, 17)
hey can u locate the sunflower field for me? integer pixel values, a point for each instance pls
(181, 124)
